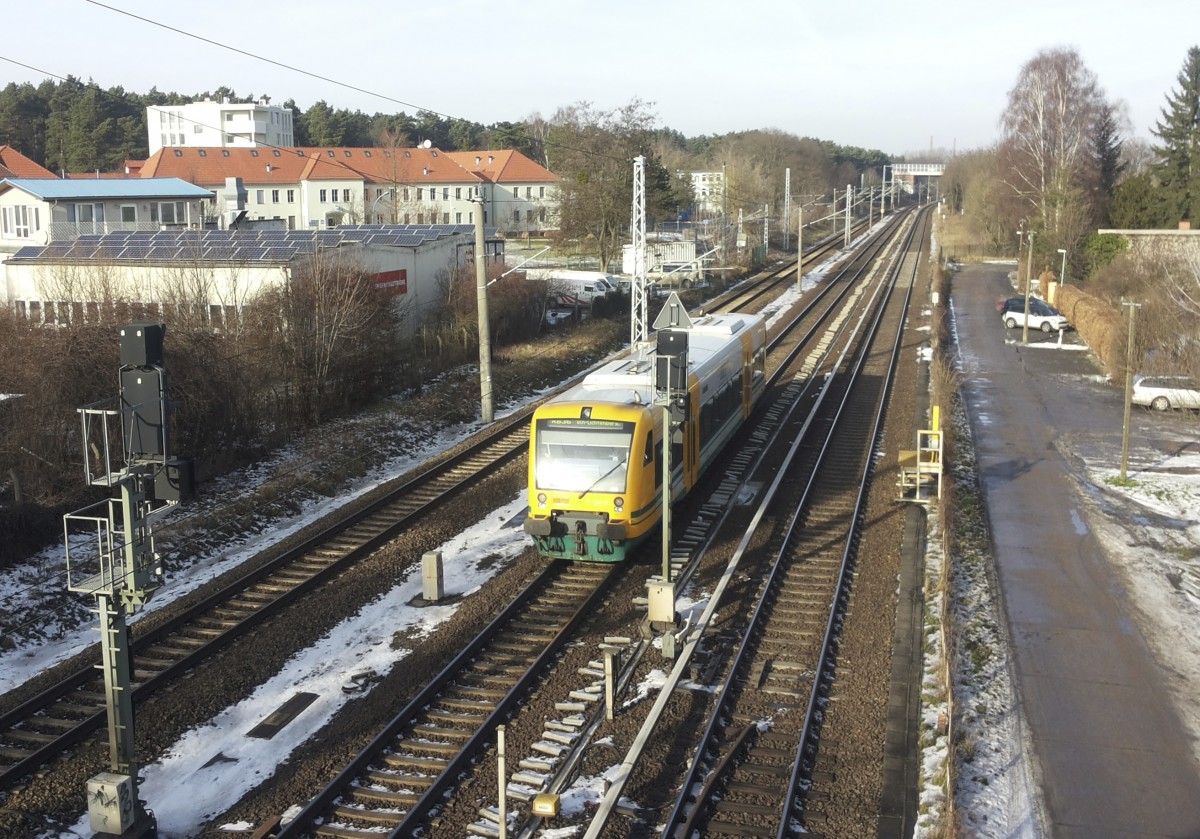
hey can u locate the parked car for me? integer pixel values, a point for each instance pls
(1042, 315)
(1162, 393)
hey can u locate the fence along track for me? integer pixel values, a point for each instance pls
(52, 722)
(773, 692)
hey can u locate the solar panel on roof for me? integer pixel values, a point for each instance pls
(134, 252)
(218, 234)
(250, 252)
(272, 234)
(279, 253)
(410, 241)
(162, 252)
(218, 251)
(29, 252)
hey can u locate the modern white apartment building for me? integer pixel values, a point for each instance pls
(219, 125)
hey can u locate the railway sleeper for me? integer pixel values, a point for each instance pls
(498, 668)
(421, 747)
(54, 723)
(14, 755)
(415, 766)
(337, 831)
(720, 827)
(476, 692)
(437, 732)
(259, 594)
(77, 709)
(392, 798)
(463, 703)
(760, 802)
(402, 780)
(455, 719)
(366, 815)
(92, 697)
(520, 648)
(752, 767)
(24, 736)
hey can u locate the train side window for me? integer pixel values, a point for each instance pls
(648, 457)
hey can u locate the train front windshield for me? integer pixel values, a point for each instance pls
(583, 455)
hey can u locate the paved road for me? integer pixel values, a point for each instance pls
(1114, 758)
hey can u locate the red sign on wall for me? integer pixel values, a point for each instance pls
(392, 282)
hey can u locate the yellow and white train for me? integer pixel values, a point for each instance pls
(595, 451)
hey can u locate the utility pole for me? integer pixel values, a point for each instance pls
(787, 208)
(1133, 307)
(1028, 287)
(849, 205)
(724, 220)
(800, 249)
(639, 327)
(121, 568)
(485, 333)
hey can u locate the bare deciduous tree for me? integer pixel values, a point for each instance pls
(1049, 131)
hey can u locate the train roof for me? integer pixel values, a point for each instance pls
(630, 379)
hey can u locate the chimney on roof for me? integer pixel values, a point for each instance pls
(491, 159)
(426, 170)
(268, 167)
(478, 160)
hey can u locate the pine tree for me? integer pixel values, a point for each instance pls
(1179, 154)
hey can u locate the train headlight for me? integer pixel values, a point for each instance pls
(541, 499)
(619, 503)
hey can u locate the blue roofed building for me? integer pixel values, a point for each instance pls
(38, 211)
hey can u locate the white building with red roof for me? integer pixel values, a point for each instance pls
(318, 188)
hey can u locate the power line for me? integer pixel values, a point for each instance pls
(267, 60)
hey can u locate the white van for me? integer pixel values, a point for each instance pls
(586, 285)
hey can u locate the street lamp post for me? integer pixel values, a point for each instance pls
(1062, 275)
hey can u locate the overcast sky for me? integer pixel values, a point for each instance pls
(898, 77)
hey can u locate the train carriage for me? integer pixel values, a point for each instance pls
(595, 451)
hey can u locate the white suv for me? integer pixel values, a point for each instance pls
(1042, 315)
(1162, 393)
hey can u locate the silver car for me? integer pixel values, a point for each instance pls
(1162, 393)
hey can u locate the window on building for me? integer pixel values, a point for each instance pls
(445, 218)
(528, 192)
(542, 215)
(346, 196)
(85, 213)
(516, 192)
(458, 218)
(259, 195)
(274, 196)
(458, 192)
(420, 218)
(254, 152)
(228, 116)
(276, 152)
(529, 216)
(405, 193)
(407, 218)
(366, 152)
(19, 222)
(129, 213)
(322, 196)
(419, 191)
(179, 152)
(228, 139)
(541, 192)
(167, 212)
(291, 196)
(202, 152)
(347, 152)
(516, 216)
(445, 193)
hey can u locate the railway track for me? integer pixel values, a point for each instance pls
(40, 729)
(360, 804)
(59, 718)
(408, 768)
(755, 776)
